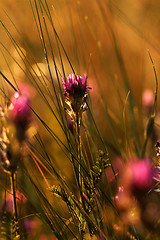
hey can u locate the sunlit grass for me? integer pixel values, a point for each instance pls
(76, 152)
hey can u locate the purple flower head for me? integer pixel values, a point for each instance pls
(20, 113)
(139, 177)
(75, 88)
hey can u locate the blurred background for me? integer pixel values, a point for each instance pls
(108, 40)
(89, 31)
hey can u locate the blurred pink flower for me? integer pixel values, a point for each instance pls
(19, 109)
(138, 177)
(20, 114)
(147, 99)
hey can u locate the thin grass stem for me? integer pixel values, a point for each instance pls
(13, 182)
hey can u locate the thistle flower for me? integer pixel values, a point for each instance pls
(75, 88)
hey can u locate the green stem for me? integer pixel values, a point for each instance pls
(14, 202)
(80, 176)
(79, 149)
(79, 154)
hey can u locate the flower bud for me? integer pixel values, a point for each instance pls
(20, 113)
(19, 109)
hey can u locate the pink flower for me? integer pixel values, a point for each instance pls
(138, 177)
(74, 83)
(20, 114)
(75, 88)
(19, 109)
(147, 100)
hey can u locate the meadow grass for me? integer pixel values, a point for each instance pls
(79, 134)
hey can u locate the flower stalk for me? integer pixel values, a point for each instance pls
(80, 176)
(75, 93)
(13, 183)
(76, 88)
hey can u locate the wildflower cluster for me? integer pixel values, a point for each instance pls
(83, 178)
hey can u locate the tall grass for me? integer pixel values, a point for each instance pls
(84, 166)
